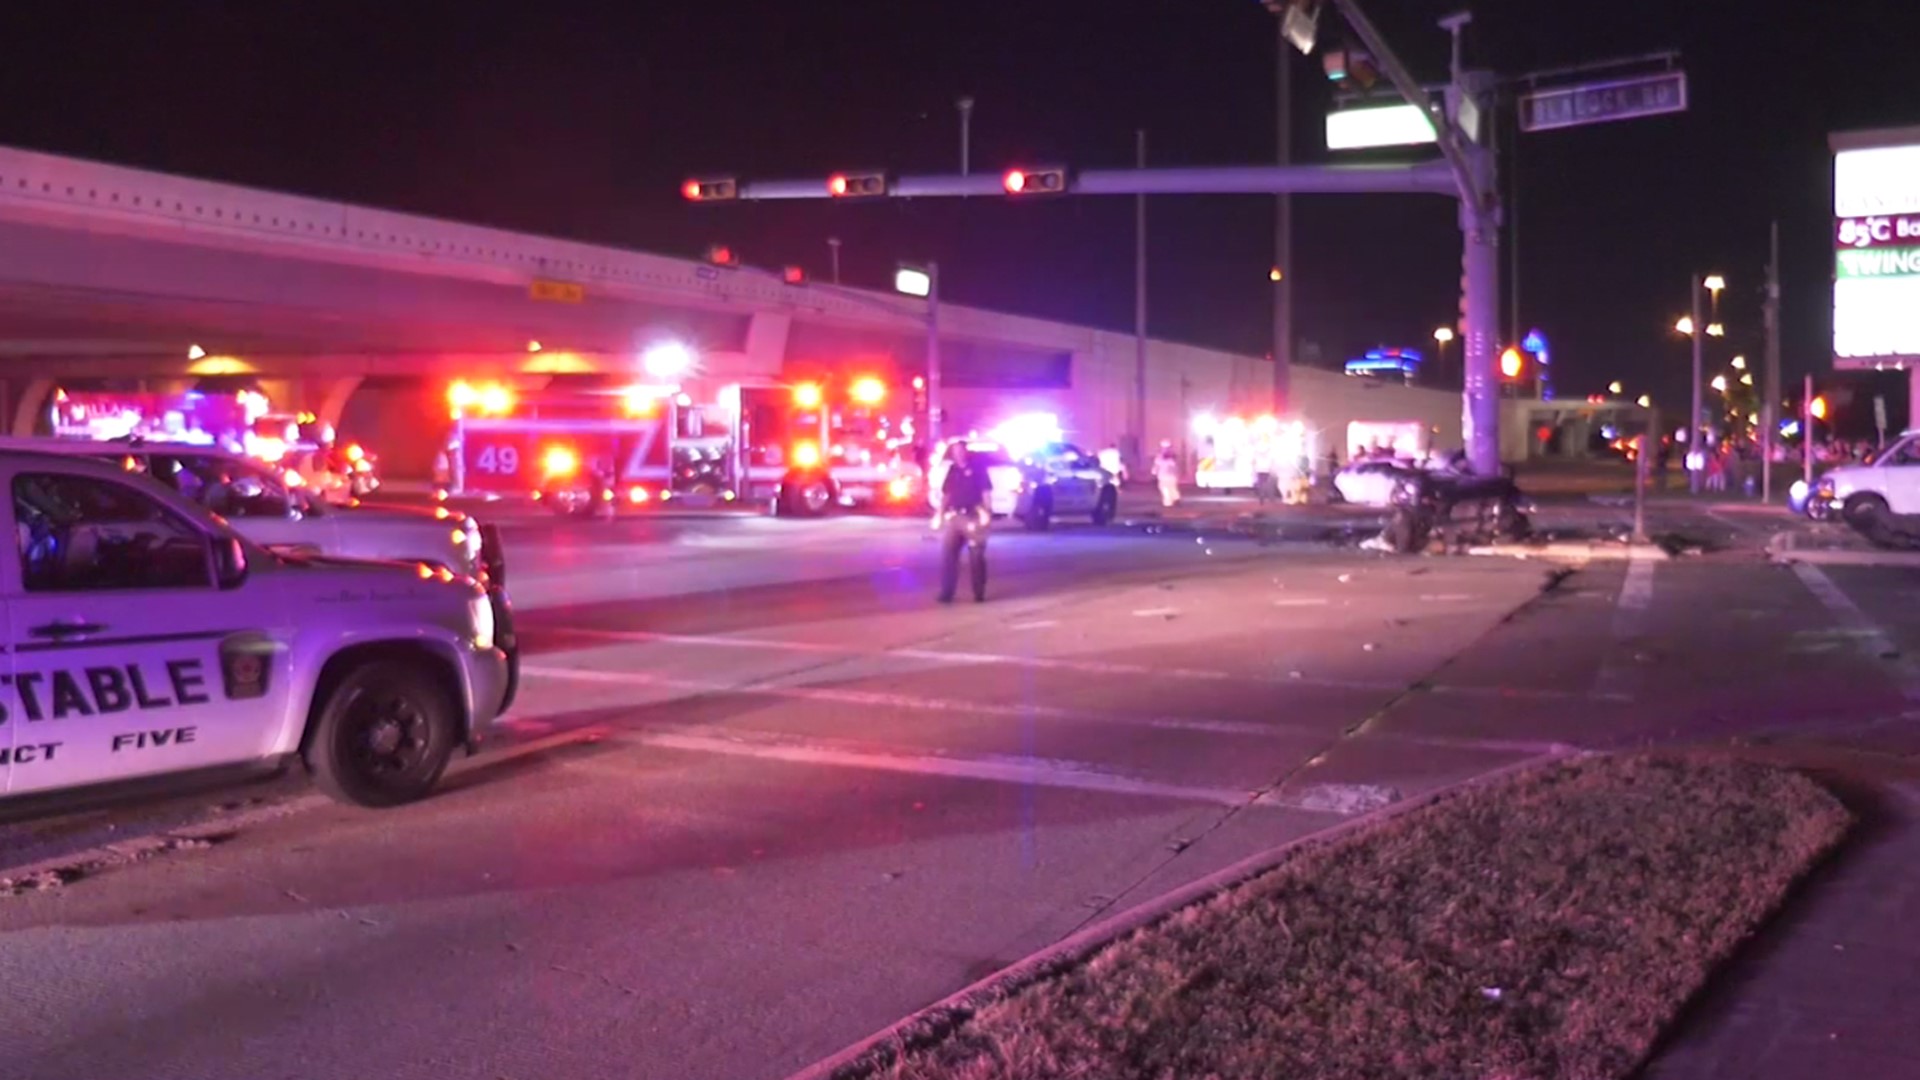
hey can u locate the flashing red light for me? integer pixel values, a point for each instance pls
(837, 184)
(806, 454)
(722, 255)
(691, 189)
(1510, 363)
(794, 275)
(1016, 181)
(868, 390)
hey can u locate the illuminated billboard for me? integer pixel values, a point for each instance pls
(1876, 276)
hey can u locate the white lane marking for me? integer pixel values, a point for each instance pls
(1037, 624)
(1302, 601)
(1870, 635)
(1446, 597)
(908, 702)
(1091, 667)
(1345, 800)
(1155, 612)
(1616, 679)
(911, 703)
(1041, 772)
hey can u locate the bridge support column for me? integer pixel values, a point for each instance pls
(767, 342)
(22, 401)
(327, 398)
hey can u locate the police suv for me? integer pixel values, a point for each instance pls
(144, 636)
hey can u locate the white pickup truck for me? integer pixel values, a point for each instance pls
(144, 636)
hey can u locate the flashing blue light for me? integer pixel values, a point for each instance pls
(1789, 427)
(1381, 366)
(1412, 355)
(1535, 342)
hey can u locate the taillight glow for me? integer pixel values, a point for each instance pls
(806, 454)
(868, 390)
(637, 495)
(560, 461)
(807, 396)
(899, 488)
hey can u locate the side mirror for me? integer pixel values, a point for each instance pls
(229, 562)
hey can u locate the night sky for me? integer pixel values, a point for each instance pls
(580, 120)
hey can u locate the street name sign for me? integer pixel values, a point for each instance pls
(1603, 102)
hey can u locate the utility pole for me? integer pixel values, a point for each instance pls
(966, 134)
(933, 355)
(1770, 381)
(1807, 420)
(1139, 425)
(1283, 227)
(1696, 446)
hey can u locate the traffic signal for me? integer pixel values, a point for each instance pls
(857, 184)
(1510, 363)
(1345, 66)
(711, 190)
(722, 255)
(1817, 408)
(1042, 181)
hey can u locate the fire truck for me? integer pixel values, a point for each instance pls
(798, 448)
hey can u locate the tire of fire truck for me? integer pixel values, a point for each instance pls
(805, 495)
(1107, 506)
(1039, 516)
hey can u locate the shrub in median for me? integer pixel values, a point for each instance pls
(1545, 925)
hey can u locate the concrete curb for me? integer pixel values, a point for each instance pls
(1574, 551)
(864, 1059)
(1782, 550)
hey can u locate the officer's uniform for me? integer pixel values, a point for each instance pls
(964, 519)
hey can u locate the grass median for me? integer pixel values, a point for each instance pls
(1549, 924)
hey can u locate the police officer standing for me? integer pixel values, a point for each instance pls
(962, 523)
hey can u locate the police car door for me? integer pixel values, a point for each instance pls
(1074, 491)
(128, 658)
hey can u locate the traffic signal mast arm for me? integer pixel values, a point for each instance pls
(1434, 178)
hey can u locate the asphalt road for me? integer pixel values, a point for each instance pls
(762, 796)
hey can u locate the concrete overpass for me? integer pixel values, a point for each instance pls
(361, 314)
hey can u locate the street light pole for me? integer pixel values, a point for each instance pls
(1283, 226)
(1770, 379)
(933, 354)
(1139, 424)
(966, 134)
(833, 257)
(1696, 444)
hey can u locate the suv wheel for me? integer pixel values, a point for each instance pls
(1040, 515)
(1108, 505)
(384, 735)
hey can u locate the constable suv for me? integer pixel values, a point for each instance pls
(144, 636)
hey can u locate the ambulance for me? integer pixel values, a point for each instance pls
(145, 637)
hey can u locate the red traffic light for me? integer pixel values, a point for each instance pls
(1034, 181)
(697, 190)
(852, 183)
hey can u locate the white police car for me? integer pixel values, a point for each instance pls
(1048, 481)
(144, 636)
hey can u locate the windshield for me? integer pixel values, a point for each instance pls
(229, 487)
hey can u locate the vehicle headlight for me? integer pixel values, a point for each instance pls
(467, 540)
(480, 620)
